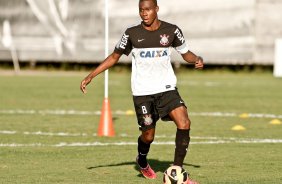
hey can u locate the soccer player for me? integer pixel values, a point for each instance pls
(153, 81)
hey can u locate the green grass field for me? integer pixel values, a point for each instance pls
(48, 129)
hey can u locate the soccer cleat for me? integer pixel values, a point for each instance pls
(189, 181)
(147, 172)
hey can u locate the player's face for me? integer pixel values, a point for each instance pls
(148, 12)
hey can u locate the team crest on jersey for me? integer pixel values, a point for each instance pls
(164, 39)
(148, 119)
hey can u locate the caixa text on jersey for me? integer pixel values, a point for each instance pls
(153, 54)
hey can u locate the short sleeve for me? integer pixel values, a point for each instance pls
(179, 42)
(124, 46)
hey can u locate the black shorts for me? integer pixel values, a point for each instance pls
(150, 108)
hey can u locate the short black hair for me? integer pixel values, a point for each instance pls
(154, 1)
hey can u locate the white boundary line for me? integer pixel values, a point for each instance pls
(124, 135)
(93, 144)
(130, 112)
(66, 134)
(203, 140)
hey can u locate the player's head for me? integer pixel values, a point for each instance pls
(154, 1)
(148, 11)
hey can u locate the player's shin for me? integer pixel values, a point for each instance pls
(182, 140)
(143, 150)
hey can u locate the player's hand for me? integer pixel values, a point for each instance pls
(83, 84)
(199, 64)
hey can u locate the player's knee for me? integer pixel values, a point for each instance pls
(148, 137)
(184, 124)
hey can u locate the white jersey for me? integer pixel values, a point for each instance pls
(152, 71)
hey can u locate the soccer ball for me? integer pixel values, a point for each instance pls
(175, 175)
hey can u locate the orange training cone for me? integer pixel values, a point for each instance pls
(106, 122)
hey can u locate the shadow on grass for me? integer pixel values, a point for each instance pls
(157, 165)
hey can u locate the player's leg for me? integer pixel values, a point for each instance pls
(147, 121)
(180, 116)
(144, 143)
(172, 107)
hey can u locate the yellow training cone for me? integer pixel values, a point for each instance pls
(129, 112)
(275, 122)
(244, 115)
(238, 128)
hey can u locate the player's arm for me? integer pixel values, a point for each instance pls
(190, 57)
(106, 64)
